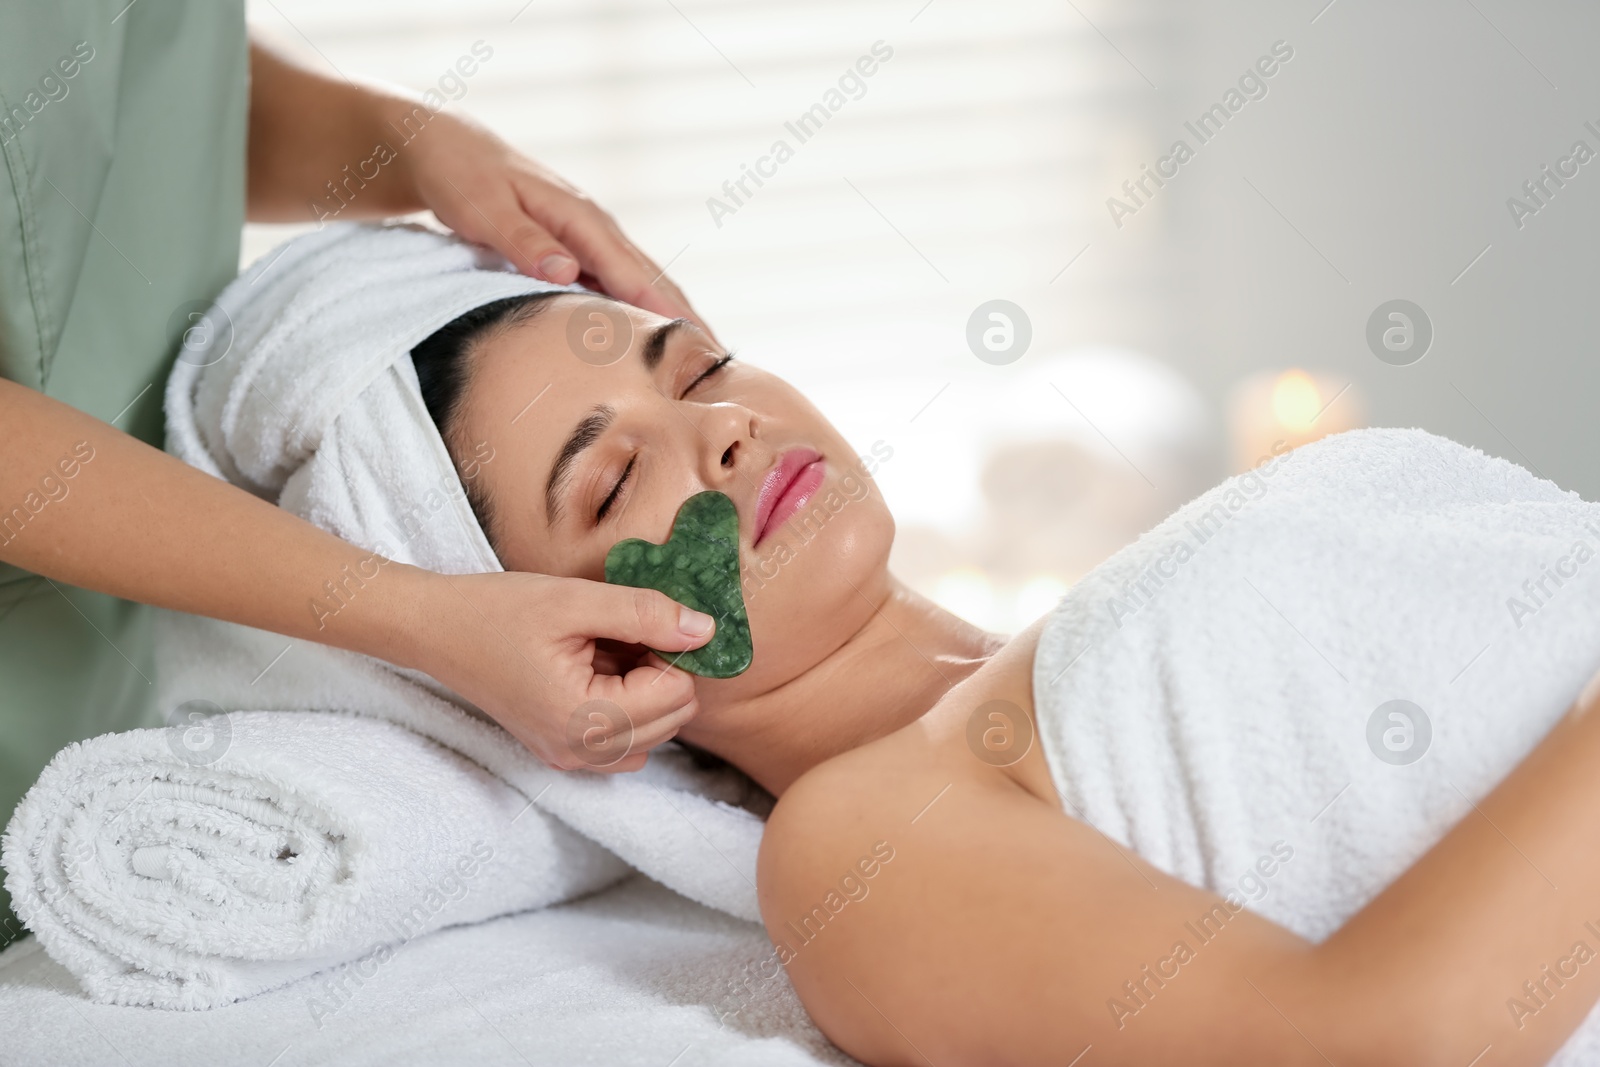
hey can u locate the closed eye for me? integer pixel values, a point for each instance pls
(616, 490)
(708, 372)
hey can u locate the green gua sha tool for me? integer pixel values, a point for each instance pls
(698, 566)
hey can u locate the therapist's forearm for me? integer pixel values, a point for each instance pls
(306, 127)
(137, 523)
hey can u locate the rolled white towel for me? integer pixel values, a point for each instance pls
(181, 877)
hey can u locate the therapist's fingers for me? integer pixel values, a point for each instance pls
(633, 616)
(658, 732)
(628, 716)
(626, 765)
(487, 191)
(648, 694)
(497, 219)
(603, 250)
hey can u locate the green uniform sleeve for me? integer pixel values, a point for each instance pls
(122, 142)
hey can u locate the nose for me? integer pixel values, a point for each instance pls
(731, 446)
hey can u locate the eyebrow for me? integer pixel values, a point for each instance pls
(655, 346)
(588, 430)
(592, 425)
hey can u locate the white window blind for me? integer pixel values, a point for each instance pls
(972, 164)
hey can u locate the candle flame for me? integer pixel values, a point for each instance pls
(1296, 401)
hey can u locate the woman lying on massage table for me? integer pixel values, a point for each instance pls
(1000, 929)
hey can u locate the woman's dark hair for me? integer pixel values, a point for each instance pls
(444, 368)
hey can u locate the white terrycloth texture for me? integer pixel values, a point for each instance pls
(631, 977)
(1224, 707)
(160, 879)
(311, 401)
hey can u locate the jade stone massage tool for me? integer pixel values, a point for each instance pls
(698, 566)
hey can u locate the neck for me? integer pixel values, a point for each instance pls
(889, 673)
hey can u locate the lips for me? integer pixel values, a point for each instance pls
(787, 488)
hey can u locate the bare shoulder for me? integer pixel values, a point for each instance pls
(837, 883)
(879, 779)
(929, 908)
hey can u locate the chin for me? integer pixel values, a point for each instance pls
(812, 585)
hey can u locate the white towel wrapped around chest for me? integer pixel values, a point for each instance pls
(1210, 692)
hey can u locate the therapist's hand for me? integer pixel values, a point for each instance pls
(487, 191)
(530, 650)
(561, 662)
(308, 128)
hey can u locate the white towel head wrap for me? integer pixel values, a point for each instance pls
(298, 386)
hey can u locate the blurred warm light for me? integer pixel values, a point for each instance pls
(1038, 595)
(967, 592)
(1296, 401)
(971, 593)
(1276, 410)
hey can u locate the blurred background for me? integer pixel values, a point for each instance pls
(1182, 309)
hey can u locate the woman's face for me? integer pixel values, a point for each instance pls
(587, 451)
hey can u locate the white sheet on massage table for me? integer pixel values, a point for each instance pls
(632, 975)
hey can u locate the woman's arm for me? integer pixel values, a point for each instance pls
(307, 128)
(1004, 932)
(1438, 959)
(137, 523)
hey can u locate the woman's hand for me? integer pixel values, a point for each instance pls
(562, 663)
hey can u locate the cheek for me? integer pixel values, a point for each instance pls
(646, 514)
(808, 587)
(837, 529)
